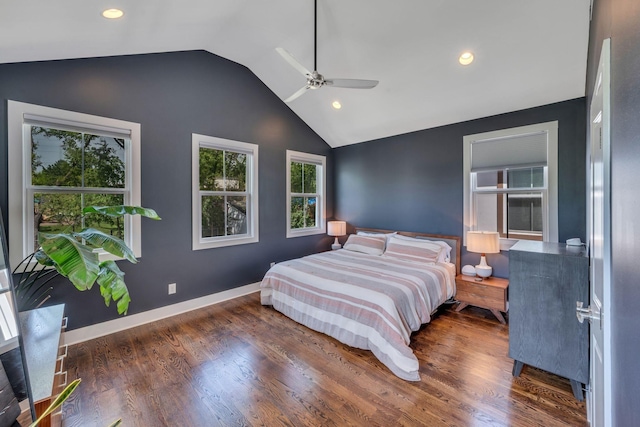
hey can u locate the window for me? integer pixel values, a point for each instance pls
(305, 194)
(510, 183)
(60, 162)
(225, 192)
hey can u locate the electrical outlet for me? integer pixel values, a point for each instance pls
(172, 288)
(272, 264)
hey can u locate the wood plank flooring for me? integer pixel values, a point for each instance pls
(238, 363)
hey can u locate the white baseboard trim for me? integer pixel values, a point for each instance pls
(87, 333)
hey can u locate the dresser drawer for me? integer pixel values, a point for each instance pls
(9, 411)
(6, 395)
(4, 381)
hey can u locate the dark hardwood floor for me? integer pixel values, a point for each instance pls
(238, 363)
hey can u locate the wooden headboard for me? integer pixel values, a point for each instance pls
(453, 241)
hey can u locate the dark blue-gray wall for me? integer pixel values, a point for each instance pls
(173, 95)
(618, 19)
(413, 182)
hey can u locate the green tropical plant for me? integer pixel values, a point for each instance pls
(75, 255)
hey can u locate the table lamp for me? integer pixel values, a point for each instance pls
(336, 228)
(483, 242)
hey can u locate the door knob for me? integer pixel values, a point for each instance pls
(586, 313)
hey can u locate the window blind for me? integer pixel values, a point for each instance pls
(524, 150)
(73, 126)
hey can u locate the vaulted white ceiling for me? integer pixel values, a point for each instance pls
(528, 53)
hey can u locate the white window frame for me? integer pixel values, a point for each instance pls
(321, 184)
(21, 229)
(251, 150)
(550, 194)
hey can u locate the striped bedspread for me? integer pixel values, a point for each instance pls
(366, 301)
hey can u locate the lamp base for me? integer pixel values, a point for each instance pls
(336, 244)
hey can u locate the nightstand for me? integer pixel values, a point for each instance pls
(490, 293)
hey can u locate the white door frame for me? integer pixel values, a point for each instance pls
(599, 222)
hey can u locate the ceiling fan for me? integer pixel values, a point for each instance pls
(315, 80)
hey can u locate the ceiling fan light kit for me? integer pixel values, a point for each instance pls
(315, 80)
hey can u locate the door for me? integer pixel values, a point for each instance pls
(598, 401)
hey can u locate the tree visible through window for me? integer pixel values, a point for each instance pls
(72, 170)
(305, 194)
(223, 185)
(225, 192)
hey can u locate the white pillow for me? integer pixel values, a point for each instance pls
(387, 236)
(445, 255)
(372, 245)
(411, 249)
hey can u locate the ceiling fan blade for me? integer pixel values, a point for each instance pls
(352, 83)
(293, 61)
(298, 93)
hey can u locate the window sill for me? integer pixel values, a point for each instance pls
(304, 232)
(223, 242)
(505, 244)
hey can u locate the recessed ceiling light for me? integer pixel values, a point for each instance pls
(336, 105)
(112, 13)
(466, 58)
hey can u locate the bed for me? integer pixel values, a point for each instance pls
(372, 294)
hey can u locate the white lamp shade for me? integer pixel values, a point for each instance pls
(484, 242)
(336, 228)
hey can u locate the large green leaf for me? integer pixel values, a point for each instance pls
(112, 286)
(111, 244)
(72, 259)
(121, 210)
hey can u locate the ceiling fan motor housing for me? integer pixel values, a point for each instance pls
(316, 80)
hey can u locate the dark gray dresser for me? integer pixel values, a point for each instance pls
(545, 281)
(9, 406)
